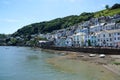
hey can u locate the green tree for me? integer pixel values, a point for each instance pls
(115, 6)
(107, 6)
(13, 41)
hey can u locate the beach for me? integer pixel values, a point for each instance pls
(109, 62)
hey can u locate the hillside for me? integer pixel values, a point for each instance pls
(60, 23)
(49, 26)
(109, 12)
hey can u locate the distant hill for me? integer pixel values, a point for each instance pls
(60, 23)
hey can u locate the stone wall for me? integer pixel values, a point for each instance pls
(86, 50)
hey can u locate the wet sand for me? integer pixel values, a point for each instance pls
(88, 71)
(106, 63)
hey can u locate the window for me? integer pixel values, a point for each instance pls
(118, 38)
(118, 33)
(107, 44)
(109, 35)
(103, 35)
(107, 40)
(114, 38)
(110, 44)
(110, 39)
(92, 41)
(114, 33)
(98, 39)
(98, 35)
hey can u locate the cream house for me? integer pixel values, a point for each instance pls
(79, 39)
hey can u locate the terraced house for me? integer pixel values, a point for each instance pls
(102, 32)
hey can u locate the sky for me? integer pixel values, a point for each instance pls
(14, 14)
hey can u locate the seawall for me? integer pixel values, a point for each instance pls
(86, 50)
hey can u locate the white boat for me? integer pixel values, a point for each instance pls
(92, 55)
(102, 55)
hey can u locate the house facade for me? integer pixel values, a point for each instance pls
(79, 39)
(108, 38)
(116, 38)
(102, 31)
(69, 41)
(105, 39)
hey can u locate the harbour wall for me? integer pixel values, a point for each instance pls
(86, 50)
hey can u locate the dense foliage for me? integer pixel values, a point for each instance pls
(49, 26)
(60, 23)
(115, 6)
(2, 36)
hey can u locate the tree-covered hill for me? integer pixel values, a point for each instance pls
(59, 23)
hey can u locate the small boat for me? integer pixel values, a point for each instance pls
(92, 55)
(102, 55)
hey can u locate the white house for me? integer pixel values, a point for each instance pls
(116, 38)
(94, 28)
(109, 26)
(78, 39)
(104, 38)
(108, 38)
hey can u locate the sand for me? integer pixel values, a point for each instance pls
(107, 62)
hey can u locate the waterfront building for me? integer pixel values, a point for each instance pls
(69, 41)
(102, 31)
(61, 42)
(105, 38)
(116, 38)
(93, 39)
(109, 38)
(78, 39)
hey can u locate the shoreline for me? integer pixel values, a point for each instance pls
(106, 62)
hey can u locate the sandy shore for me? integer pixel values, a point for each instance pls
(107, 62)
